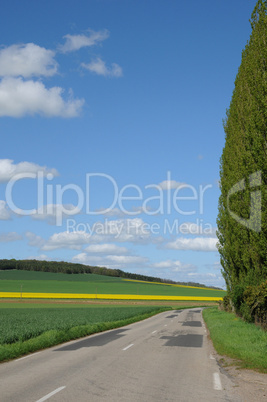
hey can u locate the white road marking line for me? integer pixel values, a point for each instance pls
(154, 332)
(129, 346)
(26, 357)
(51, 394)
(217, 382)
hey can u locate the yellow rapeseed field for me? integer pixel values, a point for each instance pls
(170, 284)
(30, 295)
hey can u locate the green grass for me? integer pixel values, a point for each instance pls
(237, 339)
(15, 274)
(25, 330)
(46, 282)
(20, 324)
(28, 303)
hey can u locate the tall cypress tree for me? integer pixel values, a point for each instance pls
(242, 217)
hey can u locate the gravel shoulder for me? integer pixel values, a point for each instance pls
(249, 385)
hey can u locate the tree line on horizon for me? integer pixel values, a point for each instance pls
(242, 216)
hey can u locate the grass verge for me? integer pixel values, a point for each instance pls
(54, 337)
(237, 339)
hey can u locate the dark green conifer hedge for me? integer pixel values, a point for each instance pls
(242, 217)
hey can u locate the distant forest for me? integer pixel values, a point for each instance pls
(72, 268)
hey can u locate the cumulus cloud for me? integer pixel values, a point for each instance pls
(99, 67)
(27, 60)
(197, 229)
(175, 266)
(184, 272)
(76, 42)
(127, 259)
(193, 244)
(8, 169)
(34, 240)
(53, 212)
(19, 98)
(208, 278)
(22, 66)
(84, 258)
(41, 257)
(122, 230)
(73, 241)
(106, 249)
(110, 261)
(5, 213)
(170, 184)
(9, 237)
(171, 269)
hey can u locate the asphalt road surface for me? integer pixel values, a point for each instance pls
(167, 357)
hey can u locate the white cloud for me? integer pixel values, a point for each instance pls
(197, 229)
(125, 230)
(51, 212)
(73, 241)
(76, 42)
(126, 259)
(207, 278)
(195, 244)
(9, 237)
(122, 230)
(34, 240)
(106, 249)
(84, 258)
(142, 210)
(27, 60)
(110, 261)
(175, 266)
(19, 98)
(183, 272)
(170, 184)
(5, 213)
(98, 66)
(8, 169)
(173, 269)
(41, 257)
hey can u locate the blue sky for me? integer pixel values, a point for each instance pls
(111, 131)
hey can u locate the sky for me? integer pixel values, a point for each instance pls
(111, 125)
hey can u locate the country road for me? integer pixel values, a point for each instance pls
(167, 357)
